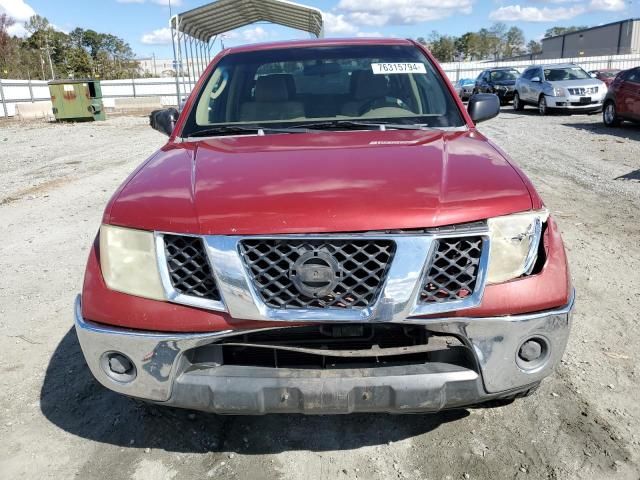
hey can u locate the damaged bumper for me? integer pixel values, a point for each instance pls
(483, 361)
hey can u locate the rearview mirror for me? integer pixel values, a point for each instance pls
(536, 79)
(483, 106)
(164, 120)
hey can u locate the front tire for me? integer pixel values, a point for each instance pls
(543, 109)
(609, 115)
(518, 106)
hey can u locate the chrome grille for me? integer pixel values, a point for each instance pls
(359, 268)
(453, 272)
(582, 90)
(189, 268)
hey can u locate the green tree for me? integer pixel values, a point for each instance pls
(443, 47)
(81, 53)
(484, 43)
(495, 40)
(513, 42)
(7, 45)
(534, 47)
(467, 46)
(78, 63)
(554, 31)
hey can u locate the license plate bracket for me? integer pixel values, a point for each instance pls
(585, 100)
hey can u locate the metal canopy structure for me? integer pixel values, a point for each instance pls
(194, 32)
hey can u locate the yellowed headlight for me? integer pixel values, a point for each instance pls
(514, 244)
(128, 261)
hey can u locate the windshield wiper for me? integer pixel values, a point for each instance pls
(239, 129)
(305, 128)
(357, 125)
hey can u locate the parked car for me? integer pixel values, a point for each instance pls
(300, 245)
(464, 88)
(499, 81)
(607, 75)
(564, 87)
(623, 99)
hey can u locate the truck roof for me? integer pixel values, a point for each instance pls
(318, 42)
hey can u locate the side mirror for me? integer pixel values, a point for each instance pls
(164, 120)
(594, 75)
(536, 79)
(483, 106)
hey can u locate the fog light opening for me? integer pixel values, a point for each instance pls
(533, 353)
(118, 367)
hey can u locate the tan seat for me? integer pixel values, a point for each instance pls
(365, 87)
(273, 100)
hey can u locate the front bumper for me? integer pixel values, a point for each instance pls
(164, 373)
(573, 103)
(505, 95)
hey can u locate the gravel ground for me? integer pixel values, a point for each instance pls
(57, 422)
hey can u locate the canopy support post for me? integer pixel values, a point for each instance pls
(173, 23)
(193, 67)
(186, 61)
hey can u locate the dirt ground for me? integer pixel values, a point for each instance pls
(57, 422)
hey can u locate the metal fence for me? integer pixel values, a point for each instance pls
(30, 91)
(18, 91)
(457, 70)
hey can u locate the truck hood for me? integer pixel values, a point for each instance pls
(320, 182)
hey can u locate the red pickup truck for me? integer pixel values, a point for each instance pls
(325, 231)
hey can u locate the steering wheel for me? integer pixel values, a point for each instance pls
(380, 103)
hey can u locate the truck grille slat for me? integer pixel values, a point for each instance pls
(453, 271)
(359, 269)
(189, 268)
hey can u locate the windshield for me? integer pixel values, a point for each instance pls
(565, 73)
(300, 86)
(609, 73)
(504, 75)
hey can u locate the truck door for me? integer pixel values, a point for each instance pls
(628, 97)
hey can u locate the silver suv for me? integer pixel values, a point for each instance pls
(560, 86)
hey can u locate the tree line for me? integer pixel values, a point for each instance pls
(47, 53)
(494, 43)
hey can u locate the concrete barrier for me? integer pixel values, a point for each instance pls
(28, 110)
(10, 107)
(140, 103)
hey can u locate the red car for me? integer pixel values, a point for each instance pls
(325, 231)
(623, 99)
(607, 75)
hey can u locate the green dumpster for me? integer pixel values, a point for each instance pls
(77, 99)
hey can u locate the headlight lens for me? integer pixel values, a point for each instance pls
(128, 261)
(514, 244)
(558, 92)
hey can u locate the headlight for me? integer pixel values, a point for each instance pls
(128, 262)
(514, 244)
(558, 92)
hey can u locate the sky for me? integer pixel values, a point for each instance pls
(143, 23)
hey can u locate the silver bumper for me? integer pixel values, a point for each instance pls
(573, 103)
(163, 373)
